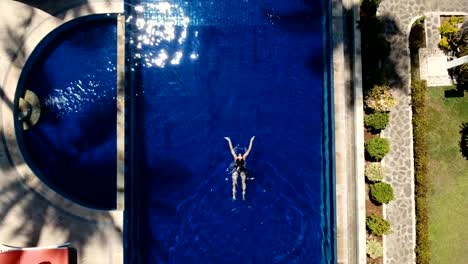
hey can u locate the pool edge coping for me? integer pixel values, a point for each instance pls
(349, 153)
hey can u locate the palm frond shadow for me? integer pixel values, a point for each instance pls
(33, 214)
(59, 8)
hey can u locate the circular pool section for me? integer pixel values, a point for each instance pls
(72, 147)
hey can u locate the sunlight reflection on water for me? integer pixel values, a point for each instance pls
(162, 34)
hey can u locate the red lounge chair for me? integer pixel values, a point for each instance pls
(48, 255)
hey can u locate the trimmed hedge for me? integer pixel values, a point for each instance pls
(381, 192)
(377, 148)
(418, 100)
(374, 248)
(377, 225)
(376, 121)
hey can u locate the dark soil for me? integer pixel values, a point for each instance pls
(375, 261)
(372, 208)
(368, 135)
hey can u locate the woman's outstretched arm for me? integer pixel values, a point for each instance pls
(230, 146)
(250, 147)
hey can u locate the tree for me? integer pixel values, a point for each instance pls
(460, 43)
(460, 40)
(448, 30)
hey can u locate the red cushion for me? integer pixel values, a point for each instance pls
(35, 256)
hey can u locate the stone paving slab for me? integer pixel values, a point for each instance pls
(433, 67)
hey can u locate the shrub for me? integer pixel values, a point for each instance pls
(377, 148)
(376, 121)
(444, 44)
(381, 192)
(447, 30)
(374, 248)
(374, 171)
(418, 101)
(380, 99)
(377, 225)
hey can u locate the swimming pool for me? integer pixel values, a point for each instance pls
(196, 72)
(199, 71)
(72, 148)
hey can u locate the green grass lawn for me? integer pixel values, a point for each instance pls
(448, 178)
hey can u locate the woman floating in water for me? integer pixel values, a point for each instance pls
(239, 167)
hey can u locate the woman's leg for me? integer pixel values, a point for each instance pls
(234, 184)
(244, 186)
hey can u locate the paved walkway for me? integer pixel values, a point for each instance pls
(400, 14)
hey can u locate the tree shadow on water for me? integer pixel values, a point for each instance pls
(382, 62)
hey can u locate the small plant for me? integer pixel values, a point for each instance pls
(381, 192)
(374, 171)
(377, 225)
(374, 248)
(380, 99)
(444, 44)
(377, 148)
(376, 121)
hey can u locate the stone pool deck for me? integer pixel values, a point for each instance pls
(399, 16)
(349, 134)
(30, 213)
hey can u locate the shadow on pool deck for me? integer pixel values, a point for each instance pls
(32, 213)
(26, 217)
(58, 8)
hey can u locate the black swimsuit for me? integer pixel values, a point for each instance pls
(240, 165)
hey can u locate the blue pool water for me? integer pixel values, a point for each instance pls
(196, 72)
(73, 147)
(236, 69)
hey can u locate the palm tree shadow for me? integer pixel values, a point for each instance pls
(13, 45)
(25, 215)
(33, 213)
(59, 8)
